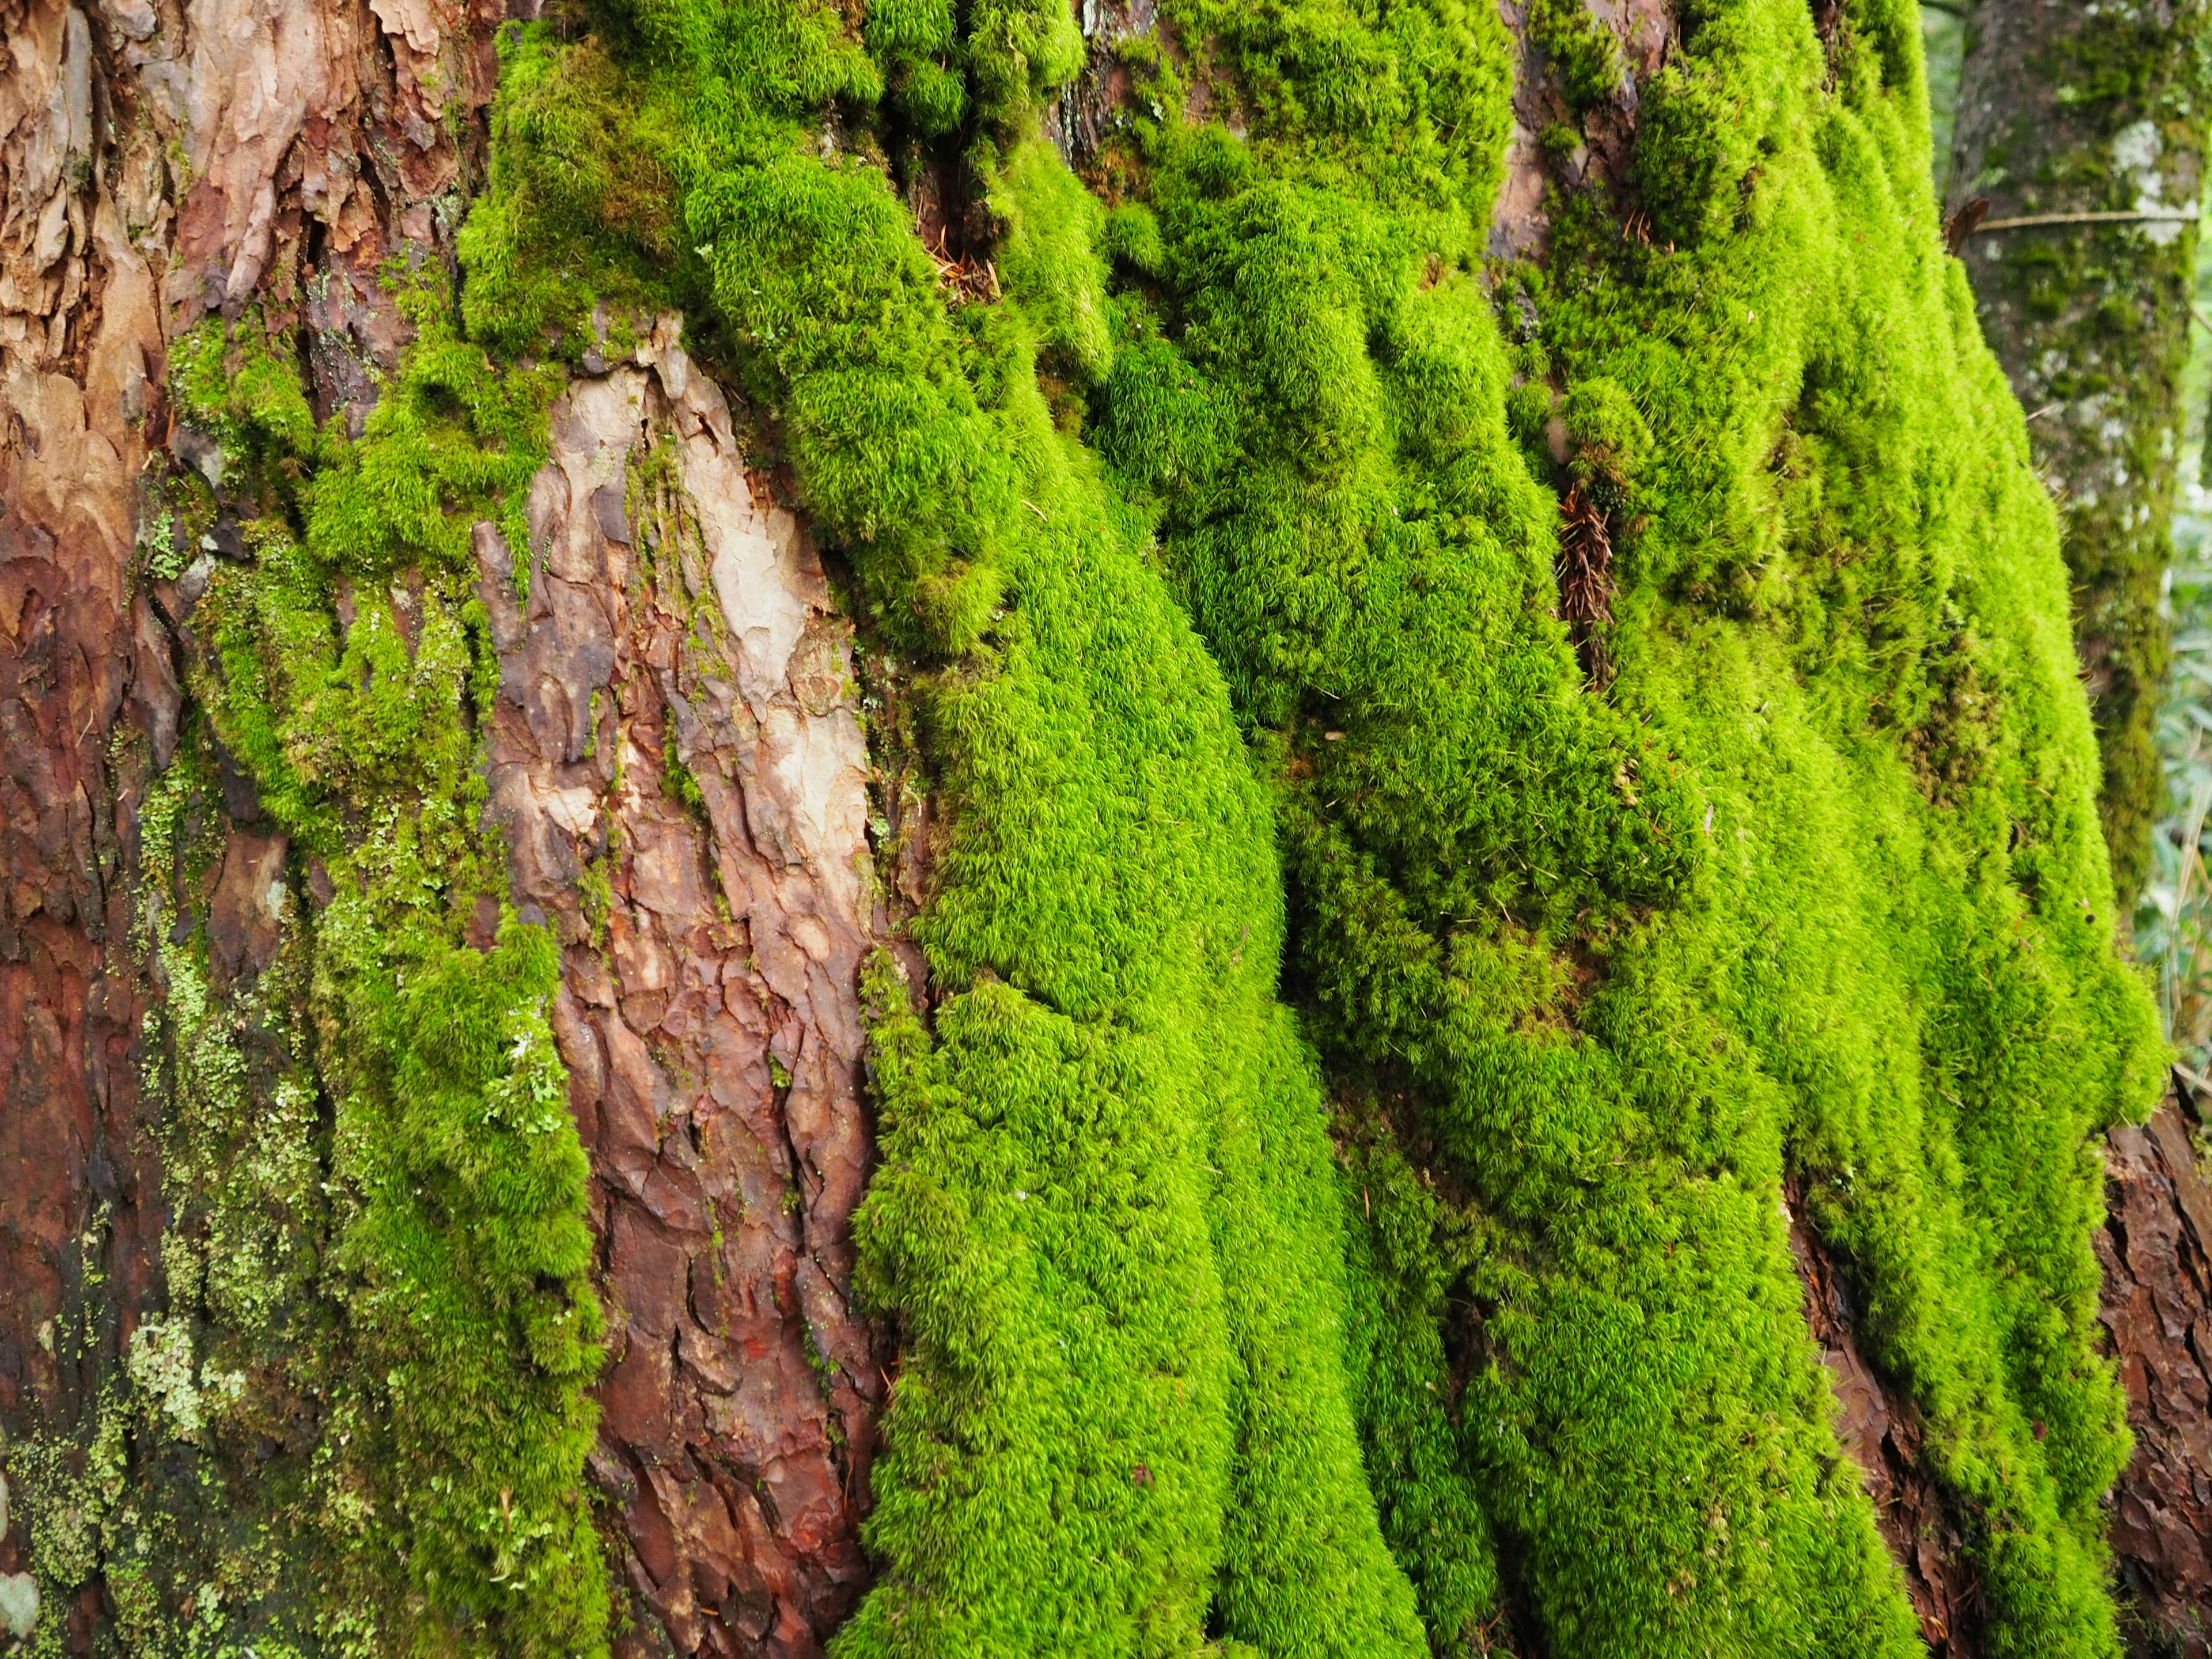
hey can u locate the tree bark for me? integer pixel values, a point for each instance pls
(2158, 1306)
(2065, 110)
(163, 165)
(713, 1059)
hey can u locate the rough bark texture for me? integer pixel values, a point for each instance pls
(158, 163)
(2156, 1249)
(2062, 109)
(707, 1015)
(80, 657)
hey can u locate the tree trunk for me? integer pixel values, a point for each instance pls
(1224, 833)
(2063, 111)
(265, 171)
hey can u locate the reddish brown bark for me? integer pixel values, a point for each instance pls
(80, 658)
(1879, 1427)
(708, 1017)
(2157, 1305)
(709, 1011)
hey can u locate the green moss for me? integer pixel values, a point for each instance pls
(232, 387)
(1108, 1219)
(1805, 896)
(381, 1329)
(1583, 50)
(1833, 564)
(460, 1255)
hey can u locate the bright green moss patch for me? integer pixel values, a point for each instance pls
(1809, 900)
(1222, 536)
(1813, 892)
(1106, 1224)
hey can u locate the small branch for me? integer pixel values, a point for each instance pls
(2155, 215)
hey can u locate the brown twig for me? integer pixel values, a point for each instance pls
(2150, 216)
(968, 278)
(1586, 582)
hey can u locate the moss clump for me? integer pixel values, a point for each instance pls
(1583, 51)
(1227, 555)
(1106, 1221)
(1804, 900)
(1613, 970)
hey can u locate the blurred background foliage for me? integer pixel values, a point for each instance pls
(2173, 923)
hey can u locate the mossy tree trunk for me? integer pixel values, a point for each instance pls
(942, 830)
(2067, 110)
(264, 1367)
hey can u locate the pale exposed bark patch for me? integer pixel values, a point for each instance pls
(709, 1013)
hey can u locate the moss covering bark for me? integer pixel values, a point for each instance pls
(1447, 831)
(1811, 890)
(380, 1325)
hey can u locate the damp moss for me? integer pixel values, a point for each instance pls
(1337, 1196)
(1775, 951)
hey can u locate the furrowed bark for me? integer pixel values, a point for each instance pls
(2156, 1248)
(679, 631)
(89, 701)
